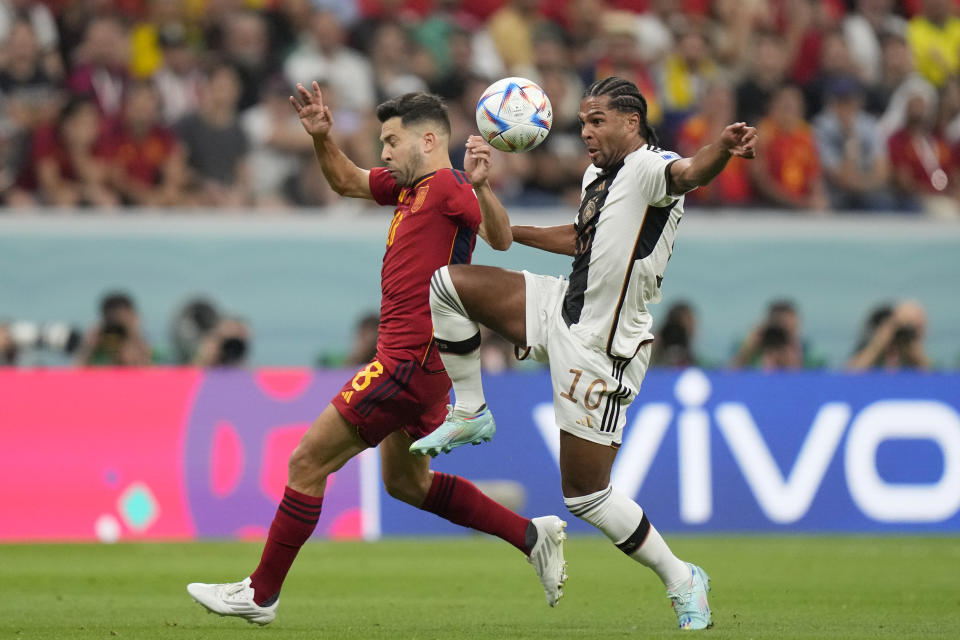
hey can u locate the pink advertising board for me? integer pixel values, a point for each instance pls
(164, 453)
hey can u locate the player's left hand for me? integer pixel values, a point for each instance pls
(477, 160)
(740, 140)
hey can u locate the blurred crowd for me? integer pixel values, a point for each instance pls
(182, 103)
(201, 334)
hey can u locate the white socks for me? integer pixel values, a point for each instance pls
(624, 522)
(458, 340)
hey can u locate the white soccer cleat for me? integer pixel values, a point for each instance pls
(547, 556)
(233, 599)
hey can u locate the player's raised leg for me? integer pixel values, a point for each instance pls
(461, 298)
(585, 470)
(408, 478)
(326, 446)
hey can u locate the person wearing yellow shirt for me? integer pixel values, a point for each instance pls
(934, 37)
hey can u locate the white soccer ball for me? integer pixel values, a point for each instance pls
(514, 114)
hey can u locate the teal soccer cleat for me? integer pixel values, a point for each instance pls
(691, 607)
(455, 432)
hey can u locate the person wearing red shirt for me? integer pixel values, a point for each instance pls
(402, 394)
(147, 165)
(732, 187)
(920, 161)
(790, 175)
(65, 167)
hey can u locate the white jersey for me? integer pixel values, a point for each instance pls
(626, 227)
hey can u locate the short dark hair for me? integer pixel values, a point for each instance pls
(416, 107)
(114, 301)
(625, 97)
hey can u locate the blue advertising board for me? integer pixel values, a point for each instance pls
(739, 452)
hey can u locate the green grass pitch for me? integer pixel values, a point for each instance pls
(471, 587)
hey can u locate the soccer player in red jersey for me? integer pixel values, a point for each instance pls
(403, 393)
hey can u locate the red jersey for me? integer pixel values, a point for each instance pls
(435, 224)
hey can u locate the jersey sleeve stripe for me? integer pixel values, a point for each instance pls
(456, 174)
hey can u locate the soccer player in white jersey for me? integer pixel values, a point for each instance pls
(593, 329)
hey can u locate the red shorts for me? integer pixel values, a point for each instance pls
(388, 395)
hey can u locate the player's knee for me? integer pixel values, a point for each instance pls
(304, 467)
(405, 488)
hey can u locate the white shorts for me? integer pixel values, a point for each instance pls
(591, 390)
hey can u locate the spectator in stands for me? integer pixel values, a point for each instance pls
(65, 167)
(656, 28)
(217, 147)
(145, 161)
(852, 155)
(620, 56)
(864, 30)
(29, 98)
(732, 187)
(836, 64)
(29, 94)
(683, 79)
(733, 22)
(791, 175)
(246, 46)
(451, 81)
(899, 81)
(512, 28)
(556, 166)
(446, 35)
(101, 67)
(390, 52)
(278, 147)
(673, 345)
(920, 162)
(322, 54)
(948, 116)
(934, 37)
(892, 338)
(777, 342)
(765, 74)
(117, 339)
(226, 345)
(43, 26)
(146, 37)
(180, 80)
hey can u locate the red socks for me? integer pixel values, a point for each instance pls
(296, 519)
(459, 501)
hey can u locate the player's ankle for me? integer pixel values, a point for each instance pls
(531, 536)
(468, 410)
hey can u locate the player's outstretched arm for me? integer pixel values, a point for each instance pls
(689, 173)
(344, 177)
(495, 224)
(561, 239)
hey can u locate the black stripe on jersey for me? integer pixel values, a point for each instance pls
(651, 229)
(586, 227)
(456, 174)
(654, 221)
(460, 252)
(396, 381)
(462, 176)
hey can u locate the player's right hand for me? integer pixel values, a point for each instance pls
(477, 160)
(314, 115)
